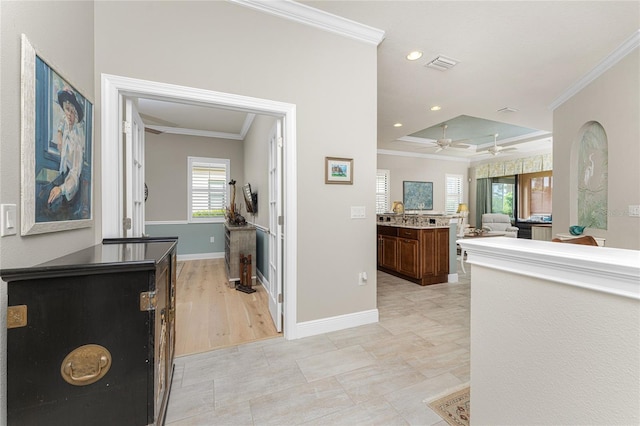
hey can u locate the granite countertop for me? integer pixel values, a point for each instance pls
(411, 226)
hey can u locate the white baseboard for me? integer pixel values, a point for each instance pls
(262, 279)
(453, 278)
(201, 256)
(341, 322)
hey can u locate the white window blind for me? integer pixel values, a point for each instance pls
(453, 193)
(208, 188)
(382, 191)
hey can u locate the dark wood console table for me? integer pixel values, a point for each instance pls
(91, 335)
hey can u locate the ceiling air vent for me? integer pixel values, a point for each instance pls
(507, 109)
(442, 63)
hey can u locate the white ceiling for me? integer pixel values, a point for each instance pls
(519, 54)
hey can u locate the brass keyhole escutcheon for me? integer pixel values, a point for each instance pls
(85, 365)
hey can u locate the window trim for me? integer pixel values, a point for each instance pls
(387, 193)
(460, 195)
(194, 161)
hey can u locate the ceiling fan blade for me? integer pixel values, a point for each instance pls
(153, 131)
(461, 145)
(148, 119)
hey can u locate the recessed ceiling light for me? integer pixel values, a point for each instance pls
(414, 55)
(436, 108)
(397, 125)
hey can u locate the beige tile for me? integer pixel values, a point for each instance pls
(189, 401)
(410, 403)
(397, 346)
(237, 414)
(224, 363)
(300, 404)
(235, 388)
(291, 350)
(335, 362)
(377, 380)
(357, 335)
(402, 324)
(375, 374)
(376, 411)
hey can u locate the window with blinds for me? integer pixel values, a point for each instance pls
(208, 188)
(382, 191)
(453, 193)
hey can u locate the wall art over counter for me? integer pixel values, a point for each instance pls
(57, 149)
(338, 170)
(417, 195)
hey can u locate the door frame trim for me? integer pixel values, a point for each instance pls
(114, 88)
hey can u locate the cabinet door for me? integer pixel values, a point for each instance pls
(441, 261)
(389, 252)
(408, 260)
(428, 252)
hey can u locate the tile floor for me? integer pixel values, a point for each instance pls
(377, 374)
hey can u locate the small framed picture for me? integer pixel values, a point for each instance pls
(338, 170)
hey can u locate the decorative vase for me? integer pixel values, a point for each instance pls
(576, 230)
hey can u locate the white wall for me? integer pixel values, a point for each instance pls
(613, 100)
(68, 49)
(424, 169)
(549, 353)
(166, 170)
(332, 81)
(256, 165)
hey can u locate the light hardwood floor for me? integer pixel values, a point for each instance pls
(211, 315)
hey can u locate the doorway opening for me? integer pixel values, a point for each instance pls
(116, 88)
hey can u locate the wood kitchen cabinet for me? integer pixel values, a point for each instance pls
(388, 252)
(420, 255)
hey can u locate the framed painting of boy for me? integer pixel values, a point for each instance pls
(57, 149)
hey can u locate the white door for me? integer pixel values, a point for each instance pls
(133, 225)
(275, 224)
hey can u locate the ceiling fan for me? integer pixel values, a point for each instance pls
(496, 149)
(447, 143)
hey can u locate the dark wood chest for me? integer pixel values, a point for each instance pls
(90, 336)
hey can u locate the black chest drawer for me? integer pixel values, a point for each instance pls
(90, 341)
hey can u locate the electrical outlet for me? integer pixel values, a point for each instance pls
(634, 211)
(212, 239)
(362, 278)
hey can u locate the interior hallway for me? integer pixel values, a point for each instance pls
(211, 315)
(374, 374)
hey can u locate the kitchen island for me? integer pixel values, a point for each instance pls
(416, 252)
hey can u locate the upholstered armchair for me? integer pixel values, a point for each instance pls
(499, 223)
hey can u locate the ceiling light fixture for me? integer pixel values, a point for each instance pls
(442, 63)
(397, 125)
(435, 108)
(416, 54)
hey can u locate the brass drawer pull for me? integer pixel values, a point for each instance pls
(85, 365)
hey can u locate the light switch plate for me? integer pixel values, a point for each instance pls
(8, 225)
(358, 212)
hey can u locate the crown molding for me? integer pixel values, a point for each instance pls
(306, 15)
(196, 132)
(610, 60)
(207, 133)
